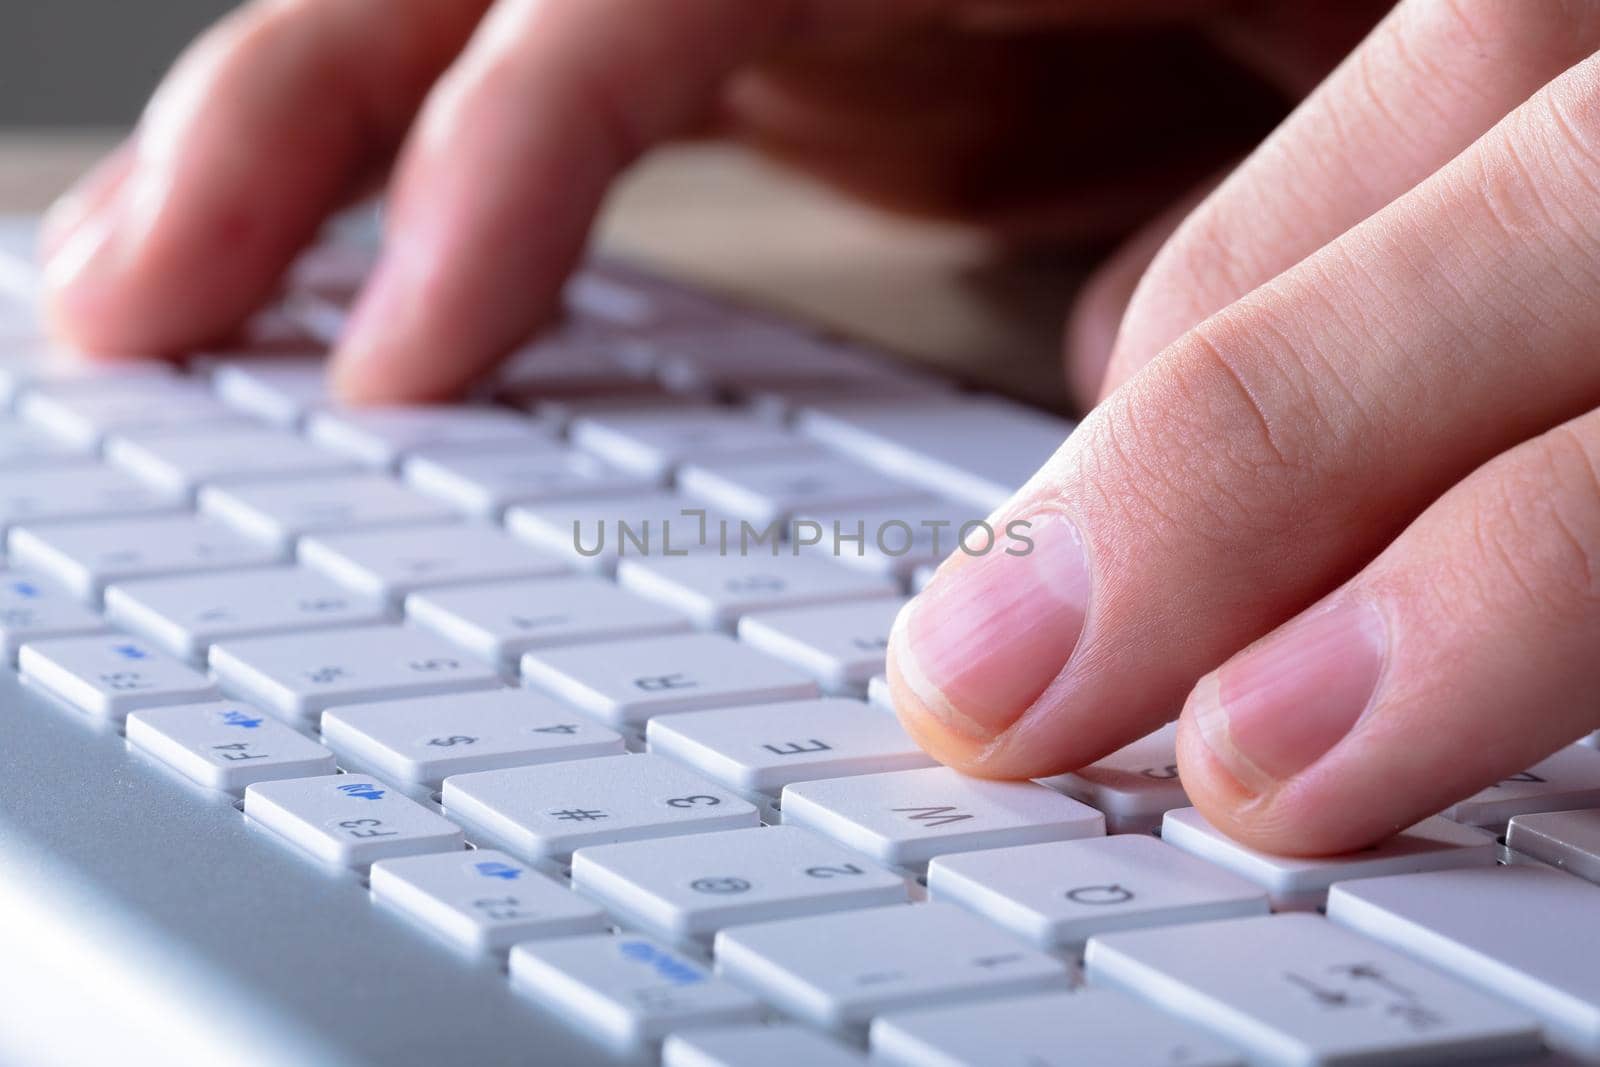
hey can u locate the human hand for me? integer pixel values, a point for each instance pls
(1341, 502)
(503, 123)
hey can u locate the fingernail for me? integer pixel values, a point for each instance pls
(1277, 708)
(984, 640)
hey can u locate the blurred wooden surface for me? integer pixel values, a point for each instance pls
(944, 295)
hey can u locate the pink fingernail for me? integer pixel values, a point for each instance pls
(1277, 708)
(986, 638)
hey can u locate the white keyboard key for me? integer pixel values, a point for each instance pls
(1526, 934)
(655, 443)
(762, 749)
(111, 675)
(297, 677)
(182, 462)
(392, 563)
(335, 269)
(905, 818)
(424, 739)
(89, 491)
(770, 491)
(500, 622)
(486, 483)
(83, 414)
(84, 557)
(483, 900)
(896, 540)
(1569, 840)
(33, 610)
(596, 534)
(547, 811)
(187, 615)
(573, 356)
(686, 889)
(842, 646)
(840, 971)
(629, 989)
(350, 820)
(25, 447)
(778, 1045)
(1301, 883)
(380, 437)
(878, 694)
(280, 390)
(624, 684)
(37, 363)
(1134, 786)
(1094, 1028)
(980, 451)
(1299, 990)
(1059, 894)
(226, 745)
(718, 591)
(280, 512)
(1564, 781)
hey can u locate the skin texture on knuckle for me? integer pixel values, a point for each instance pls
(1541, 184)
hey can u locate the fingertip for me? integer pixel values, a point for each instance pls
(926, 714)
(1286, 820)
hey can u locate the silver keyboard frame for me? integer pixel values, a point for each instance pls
(184, 899)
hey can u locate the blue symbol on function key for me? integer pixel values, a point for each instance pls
(235, 717)
(25, 590)
(364, 790)
(496, 869)
(130, 651)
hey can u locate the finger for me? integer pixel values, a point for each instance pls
(1270, 453)
(1462, 655)
(517, 145)
(1427, 83)
(87, 196)
(511, 157)
(260, 130)
(1098, 309)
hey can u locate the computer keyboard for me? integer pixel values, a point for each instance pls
(550, 727)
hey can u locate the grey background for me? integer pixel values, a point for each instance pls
(90, 62)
